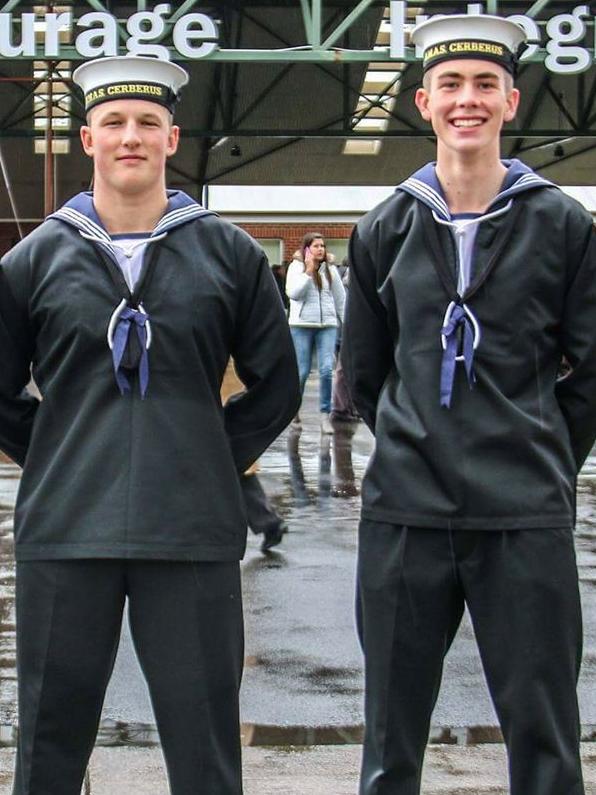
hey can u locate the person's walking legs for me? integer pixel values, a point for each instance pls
(303, 339)
(325, 341)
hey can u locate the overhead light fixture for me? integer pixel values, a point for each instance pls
(363, 146)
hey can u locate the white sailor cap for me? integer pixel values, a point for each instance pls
(479, 36)
(130, 77)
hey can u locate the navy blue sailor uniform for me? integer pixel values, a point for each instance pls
(130, 478)
(469, 497)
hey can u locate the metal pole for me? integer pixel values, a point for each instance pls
(49, 155)
(10, 193)
(316, 24)
(536, 8)
(347, 23)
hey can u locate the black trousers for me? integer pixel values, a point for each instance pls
(521, 588)
(186, 624)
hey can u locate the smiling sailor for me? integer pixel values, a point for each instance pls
(469, 286)
(128, 303)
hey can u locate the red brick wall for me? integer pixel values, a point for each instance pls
(292, 234)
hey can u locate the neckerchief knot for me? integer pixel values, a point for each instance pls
(459, 326)
(131, 321)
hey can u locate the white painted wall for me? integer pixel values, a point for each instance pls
(300, 203)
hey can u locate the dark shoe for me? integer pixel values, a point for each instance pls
(274, 537)
(339, 416)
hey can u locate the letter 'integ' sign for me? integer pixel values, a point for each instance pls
(566, 46)
(194, 36)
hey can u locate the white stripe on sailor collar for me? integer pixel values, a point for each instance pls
(175, 217)
(81, 222)
(426, 194)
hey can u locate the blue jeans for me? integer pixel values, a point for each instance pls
(305, 339)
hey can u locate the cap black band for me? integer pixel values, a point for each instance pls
(470, 48)
(152, 92)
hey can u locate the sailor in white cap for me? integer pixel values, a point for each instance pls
(128, 303)
(468, 288)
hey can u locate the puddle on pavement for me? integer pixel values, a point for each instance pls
(306, 679)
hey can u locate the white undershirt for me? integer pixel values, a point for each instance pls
(129, 252)
(465, 234)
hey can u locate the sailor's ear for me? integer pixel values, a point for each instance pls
(422, 99)
(173, 140)
(87, 140)
(512, 104)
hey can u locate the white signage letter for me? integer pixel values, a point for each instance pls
(146, 26)
(397, 41)
(27, 45)
(184, 34)
(565, 30)
(55, 23)
(105, 34)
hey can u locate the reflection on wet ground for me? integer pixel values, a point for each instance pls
(9, 479)
(304, 666)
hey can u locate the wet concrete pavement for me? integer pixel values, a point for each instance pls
(303, 675)
(306, 770)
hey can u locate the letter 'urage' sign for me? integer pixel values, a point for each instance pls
(193, 35)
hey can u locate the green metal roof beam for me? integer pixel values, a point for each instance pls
(318, 56)
(315, 37)
(307, 17)
(347, 23)
(536, 8)
(272, 56)
(338, 133)
(184, 9)
(97, 6)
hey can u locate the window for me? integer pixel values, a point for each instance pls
(272, 248)
(338, 247)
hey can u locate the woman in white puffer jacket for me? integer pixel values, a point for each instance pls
(317, 299)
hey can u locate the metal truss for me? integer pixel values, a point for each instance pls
(322, 38)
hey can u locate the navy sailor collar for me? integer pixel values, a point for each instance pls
(425, 186)
(80, 212)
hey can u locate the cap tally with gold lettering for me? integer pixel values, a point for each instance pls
(480, 36)
(130, 77)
